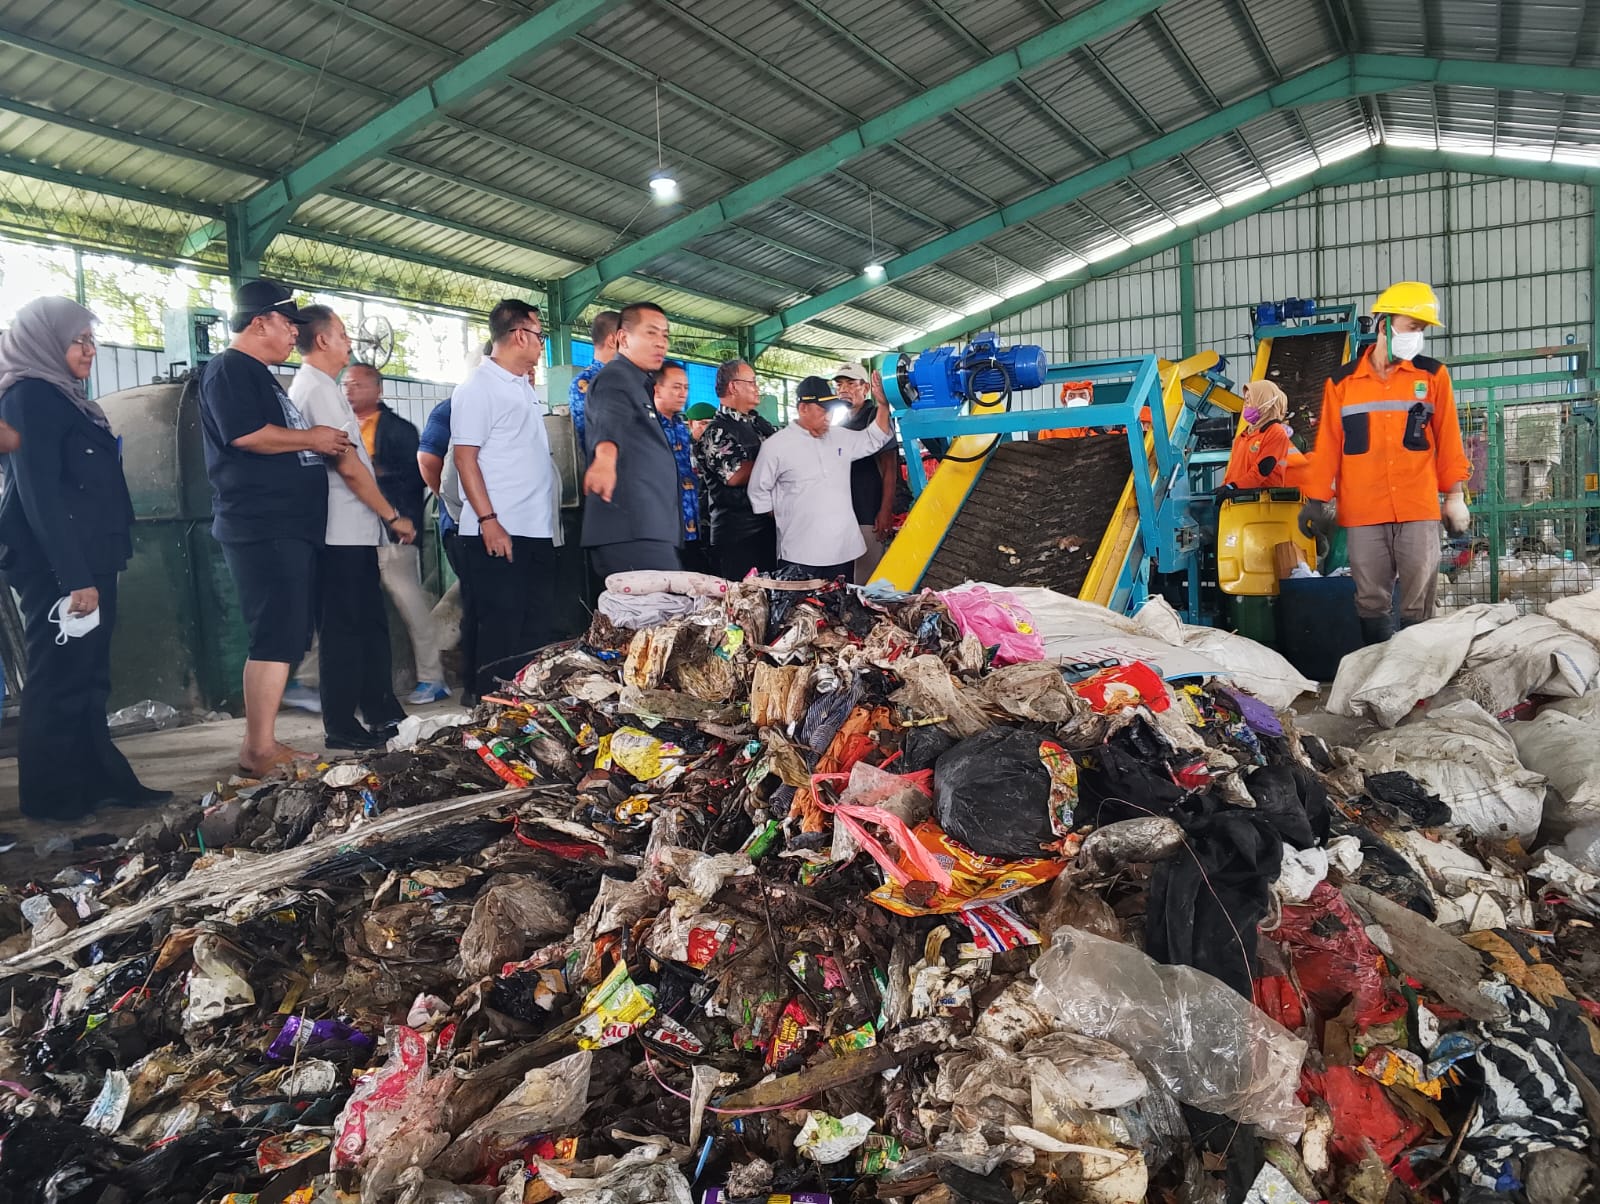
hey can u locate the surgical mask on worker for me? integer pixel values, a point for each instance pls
(70, 626)
(1405, 344)
(1252, 414)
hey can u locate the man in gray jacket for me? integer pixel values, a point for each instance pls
(631, 516)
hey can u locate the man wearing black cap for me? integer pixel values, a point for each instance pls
(269, 502)
(802, 477)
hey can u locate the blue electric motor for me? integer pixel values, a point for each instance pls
(1272, 313)
(943, 378)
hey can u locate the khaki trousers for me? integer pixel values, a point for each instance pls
(400, 566)
(867, 562)
(1385, 552)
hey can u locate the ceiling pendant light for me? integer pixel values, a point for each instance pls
(874, 269)
(663, 184)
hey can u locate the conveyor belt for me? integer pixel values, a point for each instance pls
(1058, 513)
(1299, 365)
(1036, 515)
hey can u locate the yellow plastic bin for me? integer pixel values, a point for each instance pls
(1249, 526)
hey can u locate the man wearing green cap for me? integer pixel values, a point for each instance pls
(698, 417)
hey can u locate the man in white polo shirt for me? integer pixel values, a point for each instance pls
(353, 666)
(802, 478)
(508, 520)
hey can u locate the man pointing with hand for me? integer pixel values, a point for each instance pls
(631, 515)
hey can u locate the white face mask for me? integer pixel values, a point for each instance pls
(72, 626)
(1406, 344)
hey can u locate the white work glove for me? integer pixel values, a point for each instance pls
(1456, 515)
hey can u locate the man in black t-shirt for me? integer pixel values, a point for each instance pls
(269, 502)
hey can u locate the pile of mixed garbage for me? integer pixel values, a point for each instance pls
(788, 891)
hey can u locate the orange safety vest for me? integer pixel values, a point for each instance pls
(1082, 432)
(1252, 449)
(1387, 448)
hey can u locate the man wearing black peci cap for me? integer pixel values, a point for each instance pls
(802, 477)
(269, 502)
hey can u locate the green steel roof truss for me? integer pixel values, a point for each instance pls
(267, 211)
(1352, 76)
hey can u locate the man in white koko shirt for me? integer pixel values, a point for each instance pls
(802, 478)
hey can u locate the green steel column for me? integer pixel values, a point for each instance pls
(748, 351)
(558, 343)
(1495, 482)
(241, 265)
(1186, 322)
(557, 328)
(558, 323)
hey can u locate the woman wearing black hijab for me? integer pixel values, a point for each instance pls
(65, 524)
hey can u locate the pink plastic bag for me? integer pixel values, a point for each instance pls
(852, 815)
(998, 620)
(381, 1098)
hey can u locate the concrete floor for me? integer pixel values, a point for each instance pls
(189, 761)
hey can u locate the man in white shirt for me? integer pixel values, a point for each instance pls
(353, 668)
(802, 478)
(502, 454)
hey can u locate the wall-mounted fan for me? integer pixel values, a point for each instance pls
(374, 342)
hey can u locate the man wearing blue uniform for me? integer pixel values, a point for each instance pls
(603, 334)
(671, 395)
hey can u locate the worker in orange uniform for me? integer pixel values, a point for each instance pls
(1388, 446)
(1263, 457)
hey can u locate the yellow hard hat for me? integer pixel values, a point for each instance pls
(1409, 299)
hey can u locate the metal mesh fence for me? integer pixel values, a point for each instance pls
(1535, 486)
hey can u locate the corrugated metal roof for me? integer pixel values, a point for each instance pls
(544, 172)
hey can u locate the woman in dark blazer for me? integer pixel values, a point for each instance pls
(65, 523)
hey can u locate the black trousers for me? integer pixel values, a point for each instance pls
(634, 556)
(826, 571)
(65, 757)
(509, 605)
(695, 556)
(455, 552)
(353, 643)
(737, 555)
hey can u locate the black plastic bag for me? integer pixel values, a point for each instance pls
(1294, 800)
(922, 747)
(1388, 873)
(1206, 902)
(1403, 793)
(991, 792)
(1125, 779)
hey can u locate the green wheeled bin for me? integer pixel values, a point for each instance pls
(179, 638)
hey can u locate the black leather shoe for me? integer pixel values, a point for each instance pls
(61, 812)
(355, 741)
